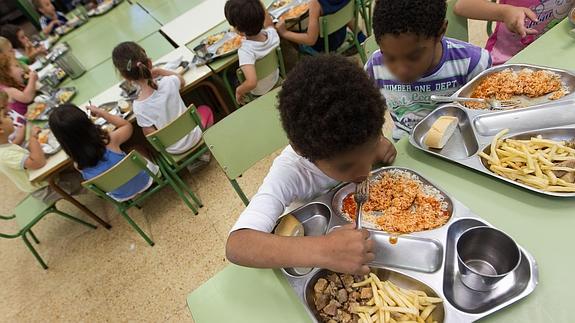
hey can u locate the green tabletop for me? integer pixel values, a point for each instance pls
(92, 43)
(103, 76)
(165, 11)
(540, 224)
(555, 48)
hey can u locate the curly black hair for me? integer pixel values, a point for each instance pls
(328, 106)
(421, 17)
(247, 16)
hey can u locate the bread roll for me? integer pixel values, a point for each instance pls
(440, 132)
(289, 226)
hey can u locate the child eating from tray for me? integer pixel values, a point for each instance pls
(12, 82)
(50, 19)
(416, 60)
(24, 50)
(159, 101)
(335, 136)
(310, 41)
(250, 20)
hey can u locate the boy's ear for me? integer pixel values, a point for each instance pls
(443, 29)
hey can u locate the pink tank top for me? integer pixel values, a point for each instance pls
(20, 107)
(504, 44)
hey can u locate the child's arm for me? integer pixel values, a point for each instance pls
(20, 135)
(162, 72)
(249, 84)
(308, 38)
(344, 250)
(513, 17)
(49, 27)
(123, 130)
(29, 92)
(268, 22)
(36, 159)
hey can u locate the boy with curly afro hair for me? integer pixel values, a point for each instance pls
(333, 117)
(416, 60)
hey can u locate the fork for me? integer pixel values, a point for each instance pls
(493, 103)
(361, 196)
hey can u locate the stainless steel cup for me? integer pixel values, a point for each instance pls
(485, 256)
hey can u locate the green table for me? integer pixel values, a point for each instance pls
(541, 224)
(166, 10)
(93, 43)
(104, 75)
(555, 48)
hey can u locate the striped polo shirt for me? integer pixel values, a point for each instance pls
(410, 103)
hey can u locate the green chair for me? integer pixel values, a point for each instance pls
(370, 46)
(173, 164)
(457, 26)
(329, 24)
(29, 212)
(119, 175)
(366, 11)
(245, 137)
(266, 66)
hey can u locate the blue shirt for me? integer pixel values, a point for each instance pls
(337, 38)
(45, 21)
(134, 186)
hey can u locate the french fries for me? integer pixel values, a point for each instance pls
(391, 303)
(531, 162)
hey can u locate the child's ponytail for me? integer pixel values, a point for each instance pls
(132, 62)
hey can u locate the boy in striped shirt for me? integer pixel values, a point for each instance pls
(416, 61)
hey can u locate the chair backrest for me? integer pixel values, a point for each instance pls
(267, 65)
(331, 23)
(247, 135)
(175, 130)
(370, 46)
(457, 26)
(120, 174)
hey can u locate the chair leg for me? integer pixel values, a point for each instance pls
(181, 193)
(34, 252)
(188, 190)
(69, 217)
(238, 189)
(136, 227)
(33, 236)
(229, 89)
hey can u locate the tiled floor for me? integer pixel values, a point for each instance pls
(100, 275)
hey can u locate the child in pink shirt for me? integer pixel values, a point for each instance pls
(519, 22)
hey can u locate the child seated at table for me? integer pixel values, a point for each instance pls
(159, 101)
(93, 149)
(519, 22)
(310, 40)
(50, 19)
(416, 61)
(250, 20)
(335, 136)
(12, 82)
(23, 47)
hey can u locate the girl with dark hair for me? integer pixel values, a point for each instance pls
(94, 150)
(159, 101)
(23, 47)
(12, 82)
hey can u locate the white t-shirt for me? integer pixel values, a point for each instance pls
(161, 108)
(251, 51)
(291, 179)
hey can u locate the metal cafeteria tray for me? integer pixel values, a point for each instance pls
(567, 78)
(477, 128)
(440, 277)
(277, 12)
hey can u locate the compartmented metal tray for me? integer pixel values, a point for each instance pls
(567, 78)
(276, 10)
(477, 128)
(402, 263)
